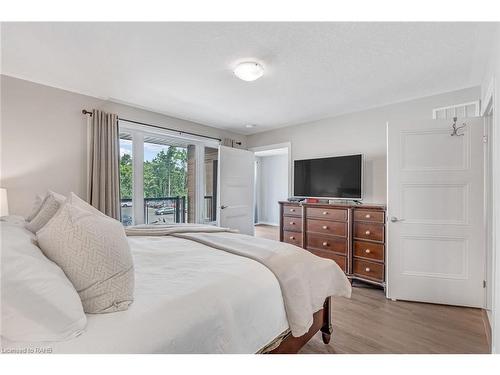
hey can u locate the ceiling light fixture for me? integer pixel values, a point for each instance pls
(250, 126)
(249, 71)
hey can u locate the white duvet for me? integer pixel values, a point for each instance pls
(189, 298)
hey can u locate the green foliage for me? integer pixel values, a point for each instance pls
(126, 176)
(164, 176)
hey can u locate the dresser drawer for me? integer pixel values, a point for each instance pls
(328, 243)
(370, 270)
(369, 231)
(369, 216)
(292, 223)
(369, 250)
(334, 228)
(292, 210)
(326, 213)
(293, 238)
(339, 259)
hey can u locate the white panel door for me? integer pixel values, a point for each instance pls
(236, 189)
(435, 213)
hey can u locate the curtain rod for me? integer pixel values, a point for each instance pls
(85, 112)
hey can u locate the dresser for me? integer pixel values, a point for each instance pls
(352, 235)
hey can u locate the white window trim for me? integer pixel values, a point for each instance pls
(138, 132)
(137, 175)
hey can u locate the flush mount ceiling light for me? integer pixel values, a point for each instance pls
(249, 71)
(250, 126)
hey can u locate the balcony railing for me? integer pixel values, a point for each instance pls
(166, 210)
(157, 210)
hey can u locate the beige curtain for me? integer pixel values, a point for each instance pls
(104, 159)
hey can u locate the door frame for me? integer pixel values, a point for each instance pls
(489, 108)
(288, 146)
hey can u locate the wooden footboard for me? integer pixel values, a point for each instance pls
(321, 321)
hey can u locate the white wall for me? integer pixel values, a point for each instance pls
(360, 132)
(492, 81)
(272, 185)
(43, 138)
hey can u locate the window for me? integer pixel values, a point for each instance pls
(166, 178)
(165, 181)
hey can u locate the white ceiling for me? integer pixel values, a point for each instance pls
(312, 70)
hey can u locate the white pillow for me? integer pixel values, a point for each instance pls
(94, 253)
(36, 207)
(75, 200)
(49, 207)
(39, 303)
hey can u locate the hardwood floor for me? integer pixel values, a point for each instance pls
(369, 323)
(270, 232)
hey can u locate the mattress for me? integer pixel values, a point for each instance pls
(189, 298)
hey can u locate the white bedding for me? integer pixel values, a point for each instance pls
(189, 298)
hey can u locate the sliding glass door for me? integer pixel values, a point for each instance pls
(166, 178)
(211, 156)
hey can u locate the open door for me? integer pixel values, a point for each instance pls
(236, 189)
(435, 206)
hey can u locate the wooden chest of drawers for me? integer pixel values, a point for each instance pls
(351, 235)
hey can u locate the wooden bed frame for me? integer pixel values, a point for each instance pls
(321, 321)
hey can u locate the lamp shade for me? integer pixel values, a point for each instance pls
(4, 204)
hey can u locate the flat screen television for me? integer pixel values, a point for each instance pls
(337, 177)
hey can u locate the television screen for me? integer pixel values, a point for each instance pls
(334, 177)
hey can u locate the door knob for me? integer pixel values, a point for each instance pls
(222, 207)
(394, 219)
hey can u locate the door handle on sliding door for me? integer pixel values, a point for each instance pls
(222, 207)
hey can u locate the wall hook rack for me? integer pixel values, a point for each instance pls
(456, 128)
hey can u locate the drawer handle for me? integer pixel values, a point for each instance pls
(367, 216)
(367, 269)
(292, 237)
(367, 232)
(325, 212)
(325, 243)
(292, 209)
(292, 222)
(325, 227)
(368, 251)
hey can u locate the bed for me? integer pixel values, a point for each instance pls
(193, 298)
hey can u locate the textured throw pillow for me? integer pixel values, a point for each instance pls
(94, 253)
(36, 207)
(75, 200)
(49, 207)
(39, 303)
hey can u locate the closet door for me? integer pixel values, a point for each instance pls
(435, 210)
